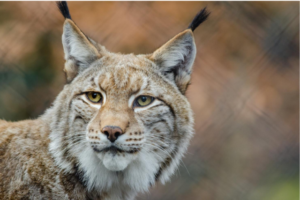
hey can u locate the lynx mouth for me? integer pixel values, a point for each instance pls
(115, 158)
(114, 150)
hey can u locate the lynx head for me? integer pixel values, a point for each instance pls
(122, 119)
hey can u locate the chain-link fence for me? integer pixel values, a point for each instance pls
(244, 89)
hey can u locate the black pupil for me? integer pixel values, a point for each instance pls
(144, 99)
(94, 95)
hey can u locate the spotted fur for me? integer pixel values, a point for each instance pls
(64, 153)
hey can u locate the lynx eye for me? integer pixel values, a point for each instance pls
(142, 101)
(94, 97)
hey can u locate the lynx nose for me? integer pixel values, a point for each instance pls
(112, 132)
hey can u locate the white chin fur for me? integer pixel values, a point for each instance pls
(115, 162)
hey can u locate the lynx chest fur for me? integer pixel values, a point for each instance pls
(120, 124)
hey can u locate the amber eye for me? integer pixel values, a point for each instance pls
(142, 101)
(94, 97)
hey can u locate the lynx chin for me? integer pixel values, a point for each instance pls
(120, 124)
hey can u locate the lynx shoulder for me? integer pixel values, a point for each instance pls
(120, 124)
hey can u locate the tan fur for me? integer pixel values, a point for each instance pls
(62, 154)
(25, 142)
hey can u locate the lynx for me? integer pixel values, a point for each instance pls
(120, 124)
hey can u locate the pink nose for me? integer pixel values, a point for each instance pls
(112, 132)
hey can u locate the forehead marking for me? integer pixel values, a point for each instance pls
(121, 80)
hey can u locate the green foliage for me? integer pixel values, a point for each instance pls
(284, 190)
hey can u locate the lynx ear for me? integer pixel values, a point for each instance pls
(175, 59)
(80, 51)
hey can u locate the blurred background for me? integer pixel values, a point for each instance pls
(244, 91)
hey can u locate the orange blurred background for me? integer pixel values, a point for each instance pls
(244, 91)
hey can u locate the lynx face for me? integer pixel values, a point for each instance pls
(122, 120)
(117, 132)
(120, 126)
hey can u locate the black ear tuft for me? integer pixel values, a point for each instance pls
(200, 17)
(63, 7)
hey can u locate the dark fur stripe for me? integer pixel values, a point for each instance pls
(170, 106)
(166, 163)
(63, 7)
(200, 17)
(83, 101)
(151, 124)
